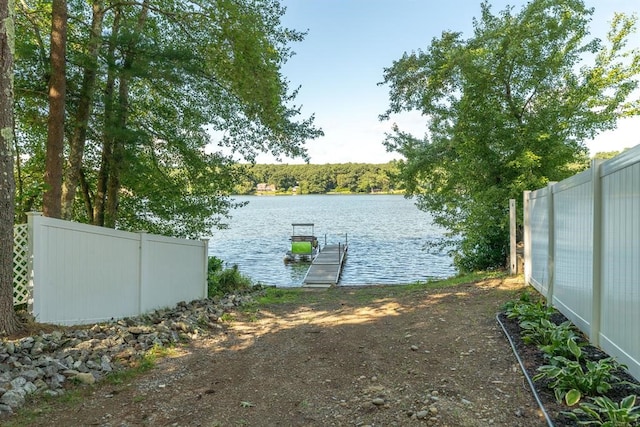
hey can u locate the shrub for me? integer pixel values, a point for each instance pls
(222, 281)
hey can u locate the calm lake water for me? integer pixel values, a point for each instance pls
(386, 235)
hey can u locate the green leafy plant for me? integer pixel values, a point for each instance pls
(570, 379)
(606, 413)
(549, 337)
(525, 310)
(221, 281)
(538, 331)
(555, 342)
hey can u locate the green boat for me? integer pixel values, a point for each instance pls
(304, 243)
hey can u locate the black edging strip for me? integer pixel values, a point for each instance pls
(524, 371)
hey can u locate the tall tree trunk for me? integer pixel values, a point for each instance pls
(86, 196)
(79, 135)
(118, 144)
(57, 89)
(117, 155)
(107, 138)
(8, 320)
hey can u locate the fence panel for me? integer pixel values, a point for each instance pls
(86, 274)
(82, 273)
(621, 260)
(539, 222)
(594, 252)
(177, 263)
(573, 247)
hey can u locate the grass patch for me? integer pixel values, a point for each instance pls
(279, 296)
(461, 279)
(273, 296)
(228, 317)
(146, 363)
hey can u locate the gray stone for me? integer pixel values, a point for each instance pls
(37, 349)
(31, 374)
(30, 387)
(26, 343)
(68, 361)
(105, 364)
(18, 383)
(12, 398)
(41, 384)
(50, 370)
(42, 363)
(85, 378)
(421, 415)
(56, 381)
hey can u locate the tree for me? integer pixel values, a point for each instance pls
(57, 91)
(8, 319)
(606, 155)
(148, 84)
(508, 110)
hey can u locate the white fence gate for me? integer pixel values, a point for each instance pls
(582, 252)
(78, 273)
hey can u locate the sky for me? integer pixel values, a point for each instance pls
(349, 43)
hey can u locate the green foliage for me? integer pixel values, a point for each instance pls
(525, 310)
(606, 155)
(571, 379)
(222, 281)
(508, 110)
(604, 412)
(179, 91)
(275, 295)
(144, 364)
(537, 328)
(549, 337)
(554, 343)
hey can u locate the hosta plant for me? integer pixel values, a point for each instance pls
(604, 412)
(525, 310)
(570, 380)
(549, 337)
(554, 343)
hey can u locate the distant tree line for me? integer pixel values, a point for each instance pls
(320, 179)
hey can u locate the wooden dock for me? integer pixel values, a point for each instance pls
(326, 267)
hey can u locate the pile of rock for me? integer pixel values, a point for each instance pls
(44, 363)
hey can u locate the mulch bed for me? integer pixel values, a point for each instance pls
(532, 358)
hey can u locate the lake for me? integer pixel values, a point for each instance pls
(387, 235)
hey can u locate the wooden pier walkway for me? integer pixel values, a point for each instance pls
(326, 267)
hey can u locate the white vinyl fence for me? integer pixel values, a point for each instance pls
(79, 274)
(582, 252)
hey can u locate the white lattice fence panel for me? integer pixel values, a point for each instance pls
(20, 264)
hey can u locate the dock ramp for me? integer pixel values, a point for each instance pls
(326, 267)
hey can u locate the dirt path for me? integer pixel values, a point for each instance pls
(374, 356)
